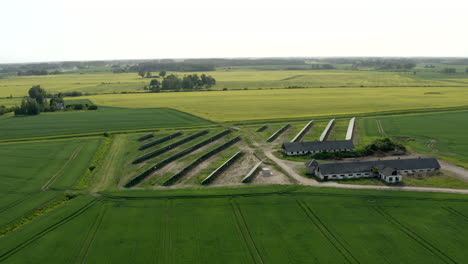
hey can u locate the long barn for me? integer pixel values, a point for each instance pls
(390, 171)
(310, 147)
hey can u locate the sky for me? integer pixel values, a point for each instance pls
(58, 30)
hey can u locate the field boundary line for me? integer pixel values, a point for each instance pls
(416, 111)
(52, 227)
(241, 225)
(327, 233)
(91, 236)
(62, 169)
(164, 231)
(413, 235)
(280, 192)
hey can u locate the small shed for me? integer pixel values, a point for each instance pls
(266, 172)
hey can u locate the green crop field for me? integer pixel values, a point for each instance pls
(28, 168)
(290, 103)
(276, 224)
(98, 83)
(438, 134)
(102, 120)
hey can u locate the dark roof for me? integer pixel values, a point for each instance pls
(365, 166)
(311, 163)
(318, 145)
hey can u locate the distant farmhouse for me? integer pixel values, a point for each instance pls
(310, 147)
(390, 171)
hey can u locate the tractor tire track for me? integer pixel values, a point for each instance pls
(455, 212)
(61, 170)
(170, 224)
(89, 241)
(52, 227)
(380, 128)
(413, 235)
(164, 232)
(248, 240)
(327, 233)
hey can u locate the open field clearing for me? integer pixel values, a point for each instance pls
(295, 224)
(102, 120)
(30, 169)
(225, 106)
(98, 83)
(439, 134)
(86, 83)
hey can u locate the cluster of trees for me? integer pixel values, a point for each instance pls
(322, 66)
(4, 110)
(385, 145)
(449, 70)
(40, 101)
(170, 66)
(247, 62)
(174, 83)
(386, 64)
(37, 72)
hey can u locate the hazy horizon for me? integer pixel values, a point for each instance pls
(54, 30)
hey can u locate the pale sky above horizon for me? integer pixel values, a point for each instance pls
(54, 30)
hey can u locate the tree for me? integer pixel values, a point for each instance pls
(141, 74)
(207, 80)
(154, 82)
(171, 82)
(3, 110)
(149, 75)
(28, 107)
(38, 94)
(155, 86)
(162, 74)
(466, 70)
(55, 103)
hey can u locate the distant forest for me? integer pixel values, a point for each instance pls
(206, 65)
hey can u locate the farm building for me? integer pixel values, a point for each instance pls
(390, 171)
(303, 148)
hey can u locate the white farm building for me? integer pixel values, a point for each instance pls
(390, 171)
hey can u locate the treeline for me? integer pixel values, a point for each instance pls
(322, 66)
(37, 72)
(170, 66)
(187, 82)
(247, 62)
(386, 64)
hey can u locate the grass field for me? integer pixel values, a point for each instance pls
(225, 225)
(290, 103)
(438, 134)
(98, 83)
(102, 120)
(29, 169)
